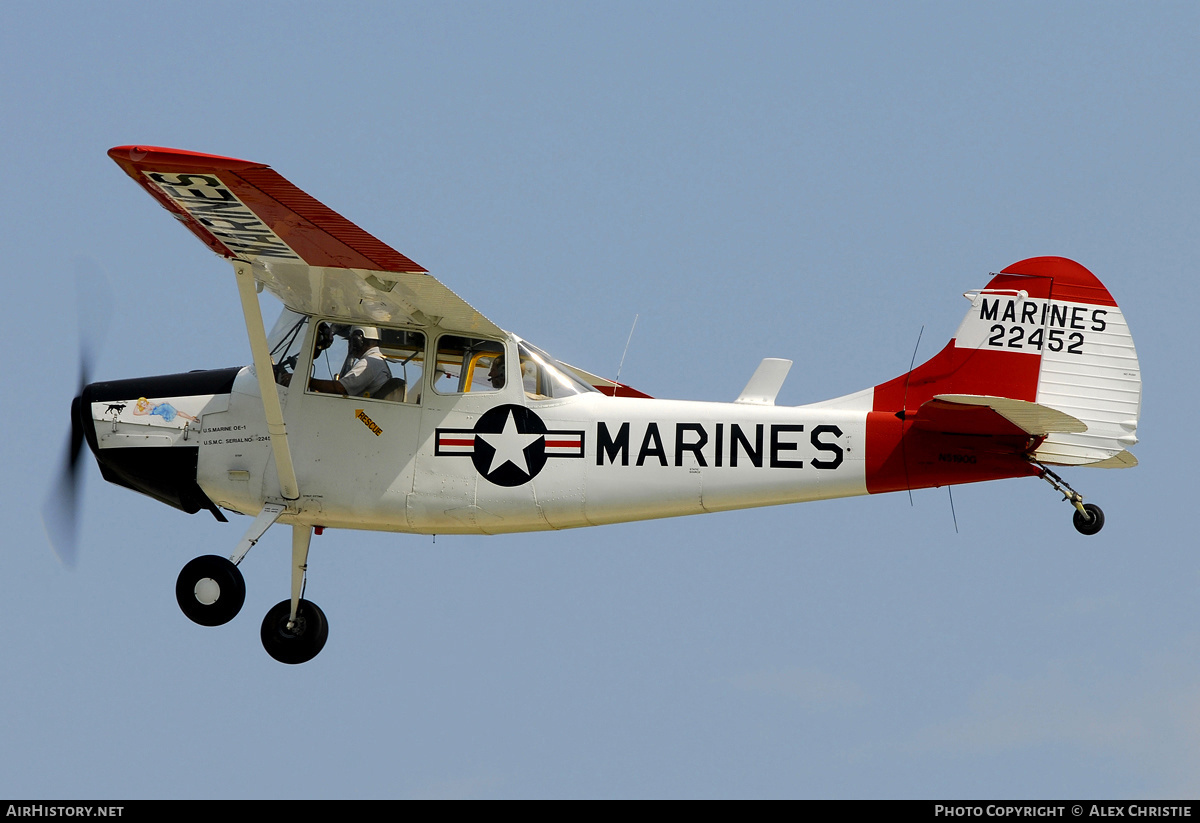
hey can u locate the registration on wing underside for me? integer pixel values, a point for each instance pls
(215, 207)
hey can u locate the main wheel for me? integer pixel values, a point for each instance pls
(1092, 524)
(210, 590)
(303, 641)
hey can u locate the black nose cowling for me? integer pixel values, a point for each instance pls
(163, 467)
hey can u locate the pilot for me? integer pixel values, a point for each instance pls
(496, 372)
(528, 377)
(368, 370)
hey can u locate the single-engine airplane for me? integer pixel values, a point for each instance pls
(382, 400)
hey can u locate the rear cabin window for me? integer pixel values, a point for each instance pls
(468, 365)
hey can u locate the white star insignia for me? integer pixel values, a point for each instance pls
(510, 445)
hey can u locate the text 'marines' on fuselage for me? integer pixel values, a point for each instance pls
(382, 400)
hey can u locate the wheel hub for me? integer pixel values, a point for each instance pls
(300, 641)
(293, 628)
(208, 591)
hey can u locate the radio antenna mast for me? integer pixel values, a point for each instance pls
(620, 366)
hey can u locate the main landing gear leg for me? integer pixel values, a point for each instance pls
(210, 589)
(295, 630)
(1089, 518)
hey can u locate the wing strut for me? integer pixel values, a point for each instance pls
(266, 382)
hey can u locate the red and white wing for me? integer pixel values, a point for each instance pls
(309, 256)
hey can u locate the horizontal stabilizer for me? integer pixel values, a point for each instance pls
(1032, 418)
(766, 382)
(1120, 460)
(986, 415)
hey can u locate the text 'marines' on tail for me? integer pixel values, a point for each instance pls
(1042, 371)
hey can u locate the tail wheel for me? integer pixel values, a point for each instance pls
(1089, 518)
(1092, 522)
(299, 642)
(210, 590)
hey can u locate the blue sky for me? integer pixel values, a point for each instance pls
(814, 181)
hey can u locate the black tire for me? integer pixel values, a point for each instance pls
(210, 606)
(303, 641)
(1093, 524)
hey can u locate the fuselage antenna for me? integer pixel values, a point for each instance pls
(622, 363)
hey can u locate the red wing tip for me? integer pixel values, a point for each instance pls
(159, 156)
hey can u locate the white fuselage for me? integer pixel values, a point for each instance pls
(414, 468)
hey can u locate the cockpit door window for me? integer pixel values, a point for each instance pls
(360, 360)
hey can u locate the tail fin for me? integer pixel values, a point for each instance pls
(1045, 332)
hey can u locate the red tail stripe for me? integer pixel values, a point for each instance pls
(961, 371)
(1072, 282)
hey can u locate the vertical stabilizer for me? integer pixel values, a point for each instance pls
(1045, 331)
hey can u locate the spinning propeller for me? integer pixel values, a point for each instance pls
(60, 513)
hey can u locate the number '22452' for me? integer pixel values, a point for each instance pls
(1013, 337)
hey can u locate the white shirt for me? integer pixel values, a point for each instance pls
(367, 374)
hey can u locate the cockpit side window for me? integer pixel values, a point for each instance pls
(469, 365)
(375, 362)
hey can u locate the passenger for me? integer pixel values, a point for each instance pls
(496, 372)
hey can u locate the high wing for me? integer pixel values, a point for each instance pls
(307, 255)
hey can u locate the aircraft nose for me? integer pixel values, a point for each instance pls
(145, 433)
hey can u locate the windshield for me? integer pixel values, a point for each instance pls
(285, 342)
(544, 377)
